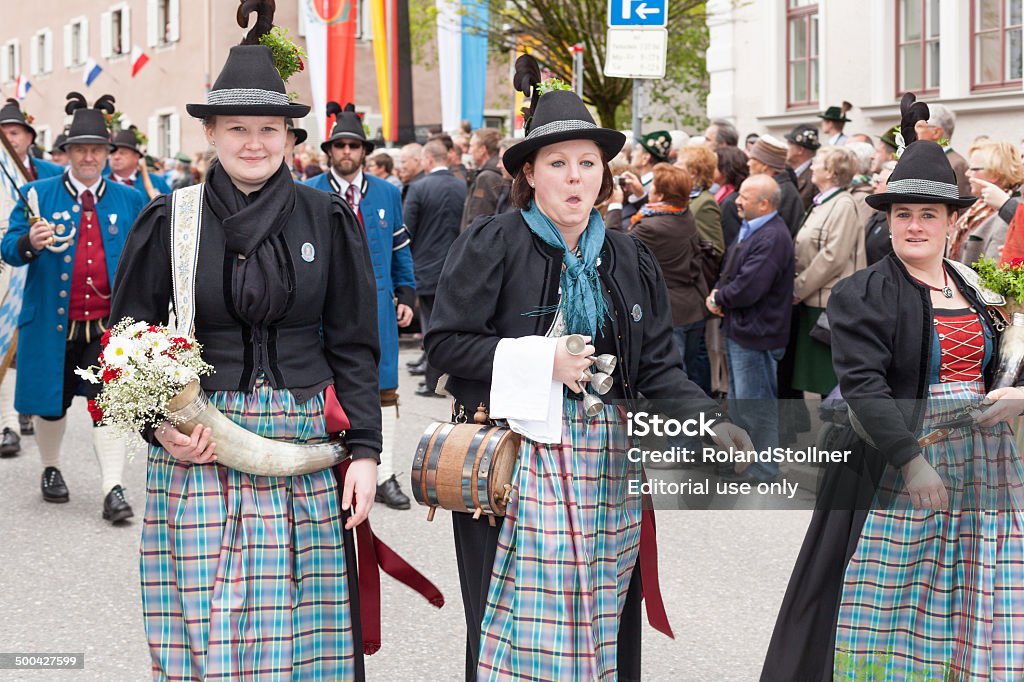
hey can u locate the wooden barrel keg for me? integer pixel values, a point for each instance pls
(465, 468)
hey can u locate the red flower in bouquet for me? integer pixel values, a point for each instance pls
(104, 340)
(94, 411)
(111, 374)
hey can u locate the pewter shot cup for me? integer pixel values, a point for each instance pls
(575, 343)
(605, 363)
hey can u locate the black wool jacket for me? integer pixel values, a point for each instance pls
(328, 336)
(882, 326)
(498, 271)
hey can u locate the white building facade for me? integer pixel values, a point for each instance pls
(776, 63)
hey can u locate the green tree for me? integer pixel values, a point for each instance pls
(552, 27)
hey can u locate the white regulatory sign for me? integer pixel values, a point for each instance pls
(636, 52)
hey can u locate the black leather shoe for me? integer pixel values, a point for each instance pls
(54, 488)
(390, 493)
(10, 445)
(115, 507)
(418, 370)
(418, 361)
(422, 390)
(25, 425)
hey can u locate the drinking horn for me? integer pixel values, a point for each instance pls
(243, 450)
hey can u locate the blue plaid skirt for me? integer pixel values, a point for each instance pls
(243, 577)
(565, 556)
(939, 595)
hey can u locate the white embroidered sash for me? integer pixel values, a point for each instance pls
(186, 217)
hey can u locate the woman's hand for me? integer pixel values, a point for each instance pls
(360, 483)
(924, 485)
(990, 193)
(569, 368)
(1005, 403)
(196, 448)
(728, 435)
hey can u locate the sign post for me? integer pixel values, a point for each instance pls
(637, 46)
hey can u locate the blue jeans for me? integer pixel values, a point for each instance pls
(690, 342)
(753, 401)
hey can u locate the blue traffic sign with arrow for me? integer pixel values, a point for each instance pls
(637, 13)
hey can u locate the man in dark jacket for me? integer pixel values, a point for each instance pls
(433, 212)
(803, 144)
(754, 296)
(487, 183)
(768, 157)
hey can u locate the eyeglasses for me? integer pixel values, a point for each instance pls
(976, 169)
(347, 145)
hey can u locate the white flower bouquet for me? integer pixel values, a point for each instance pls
(142, 367)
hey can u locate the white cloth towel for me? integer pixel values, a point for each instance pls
(522, 390)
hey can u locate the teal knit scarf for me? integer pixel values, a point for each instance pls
(582, 306)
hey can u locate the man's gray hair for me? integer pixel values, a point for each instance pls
(726, 133)
(774, 197)
(941, 117)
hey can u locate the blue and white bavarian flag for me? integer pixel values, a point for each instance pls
(12, 280)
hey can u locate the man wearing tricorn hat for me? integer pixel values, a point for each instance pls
(70, 234)
(125, 168)
(17, 129)
(379, 207)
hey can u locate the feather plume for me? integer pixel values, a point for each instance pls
(844, 108)
(105, 103)
(11, 100)
(333, 109)
(76, 100)
(526, 79)
(264, 10)
(911, 111)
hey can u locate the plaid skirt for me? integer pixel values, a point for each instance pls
(939, 595)
(565, 556)
(243, 577)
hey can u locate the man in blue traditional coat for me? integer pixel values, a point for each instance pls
(19, 132)
(378, 205)
(124, 167)
(71, 253)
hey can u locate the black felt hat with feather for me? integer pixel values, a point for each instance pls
(922, 174)
(348, 125)
(88, 125)
(555, 116)
(250, 84)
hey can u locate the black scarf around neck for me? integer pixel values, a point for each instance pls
(262, 277)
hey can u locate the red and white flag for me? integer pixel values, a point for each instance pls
(139, 59)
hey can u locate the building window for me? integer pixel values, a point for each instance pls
(115, 32)
(76, 42)
(10, 61)
(165, 133)
(41, 53)
(163, 22)
(996, 44)
(801, 53)
(917, 47)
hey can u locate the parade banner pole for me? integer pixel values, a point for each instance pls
(637, 129)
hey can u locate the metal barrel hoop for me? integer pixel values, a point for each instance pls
(469, 494)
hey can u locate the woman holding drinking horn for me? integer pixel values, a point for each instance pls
(248, 576)
(913, 562)
(550, 590)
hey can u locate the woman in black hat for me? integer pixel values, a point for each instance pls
(245, 576)
(550, 590)
(913, 562)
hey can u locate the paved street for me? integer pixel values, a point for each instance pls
(69, 582)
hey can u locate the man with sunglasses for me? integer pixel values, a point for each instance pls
(378, 205)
